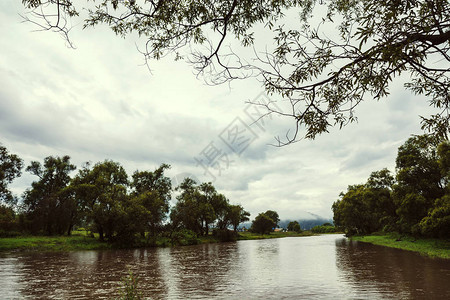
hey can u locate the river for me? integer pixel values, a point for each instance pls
(318, 267)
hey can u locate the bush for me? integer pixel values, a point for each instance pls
(130, 288)
(225, 235)
(323, 229)
(185, 237)
(437, 223)
(9, 233)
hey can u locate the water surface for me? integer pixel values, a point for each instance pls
(319, 267)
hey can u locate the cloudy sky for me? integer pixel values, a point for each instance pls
(99, 102)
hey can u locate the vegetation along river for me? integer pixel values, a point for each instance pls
(317, 267)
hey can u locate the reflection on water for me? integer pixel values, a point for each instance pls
(392, 273)
(321, 267)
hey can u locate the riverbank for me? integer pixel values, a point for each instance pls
(428, 247)
(52, 243)
(81, 241)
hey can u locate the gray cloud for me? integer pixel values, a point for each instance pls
(97, 102)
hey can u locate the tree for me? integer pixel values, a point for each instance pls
(49, 204)
(102, 192)
(322, 79)
(419, 180)
(191, 211)
(237, 215)
(199, 207)
(152, 192)
(416, 202)
(381, 180)
(444, 163)
(437, 222)
(145, 181)
(382, 206)
(352, 213)
(366, 208)
(274, 216)
(263, 224)
(211, 204)
(294, 226)
(10, 168)
(7, 219)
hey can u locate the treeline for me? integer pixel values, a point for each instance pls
(105, 200)
(415, 201)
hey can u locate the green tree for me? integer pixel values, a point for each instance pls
(211, 204)
(381, 204)
(145, 181)
(418, 169)
(381, 180)
(199, 207)
(415, 203)
(7, 220)
(263, 224)
(437, 222)
(10, 168)
(187, 212)
(294, 226)
(444, 163)
(419, 180)
(274, 216)
(102, 192)
(48, 204)
(324, 228)
(237, 215)
(352, 213)
(323, 74)
(366, 208)
(151, 193)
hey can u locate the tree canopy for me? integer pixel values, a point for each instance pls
(265, 222)
(102, 192)
(10, 168)
(323, 62)
(294, 226)
(102, 199)
(49, 204)
(415, 202)
(200, 206)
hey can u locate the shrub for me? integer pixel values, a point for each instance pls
(225, 235)
(323, 229)
(130, 289)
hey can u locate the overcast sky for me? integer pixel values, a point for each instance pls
(99, 102)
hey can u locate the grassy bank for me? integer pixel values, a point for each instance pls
(81, 241)
(428, 247)
(51, 243)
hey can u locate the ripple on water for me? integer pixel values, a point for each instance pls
(322, 267)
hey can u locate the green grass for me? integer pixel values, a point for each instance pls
(51, 243)
(208, 239)
(273, 235)
(80, 240)
(427, 247)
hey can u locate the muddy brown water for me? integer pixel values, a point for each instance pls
(319, 267)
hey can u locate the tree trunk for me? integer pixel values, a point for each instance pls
(100, 233)
(69, 230)
(206, 228)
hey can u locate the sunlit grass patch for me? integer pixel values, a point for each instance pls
(428, 247)
(52, 243)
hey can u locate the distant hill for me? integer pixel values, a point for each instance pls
(305, 223)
